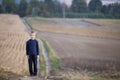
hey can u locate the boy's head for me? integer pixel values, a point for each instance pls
(32, 35)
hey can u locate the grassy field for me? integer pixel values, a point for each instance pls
(87, 49)
(13, 36)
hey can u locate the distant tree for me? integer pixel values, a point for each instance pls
(58, 7)
(36, 7)
(39, 8)
(1, 9)
(9, 6)
(23, 8)
(48, 8)
(79, 6)
(111, 10)
(15, 9)
(95, 6)
(104, 9)
(114, 10)
(29, 9)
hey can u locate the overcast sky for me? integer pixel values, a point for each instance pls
(103, 1)
(68, 2)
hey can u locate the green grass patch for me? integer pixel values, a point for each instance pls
(98, 77)
(55, 62)
(40, 18)
(28, 22)
(42, 66)
(41, 61)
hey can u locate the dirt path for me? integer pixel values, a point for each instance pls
(44, 52)
(31, 78)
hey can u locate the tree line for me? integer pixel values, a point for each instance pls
(53, 8)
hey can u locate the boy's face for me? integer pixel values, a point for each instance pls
(32, 35)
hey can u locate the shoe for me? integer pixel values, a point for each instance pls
(31, 75)
(35, 74)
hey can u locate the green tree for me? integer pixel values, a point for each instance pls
(111, 10)
(114, 10)
(36, 7)
(95, 6)
(48, 8)
(22, 8)
(79, 6)
(1, 9)
(58, 8)
(104, 9)
(9, 6)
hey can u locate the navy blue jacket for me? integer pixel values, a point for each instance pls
(32, 47)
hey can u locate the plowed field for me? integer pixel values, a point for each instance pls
(83, 44)
(13, 36)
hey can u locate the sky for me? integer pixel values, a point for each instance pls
(68, 2)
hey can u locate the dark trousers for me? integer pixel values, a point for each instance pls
(32, 64)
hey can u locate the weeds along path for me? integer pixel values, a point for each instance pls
(44, 52)
(13, 37)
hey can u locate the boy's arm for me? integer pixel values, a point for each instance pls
(27, 48)
(37, 49)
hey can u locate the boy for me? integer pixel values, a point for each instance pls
(32, 52)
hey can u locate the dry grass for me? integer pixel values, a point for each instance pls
(13, 37)
(75, 76)
(51, 26)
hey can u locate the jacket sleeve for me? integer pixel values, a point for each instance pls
(37, 46)
(27, 48)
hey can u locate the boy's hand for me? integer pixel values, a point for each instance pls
(38, 56)
(28, 56)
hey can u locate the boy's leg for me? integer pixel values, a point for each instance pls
(30, 65)
(35, 65)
